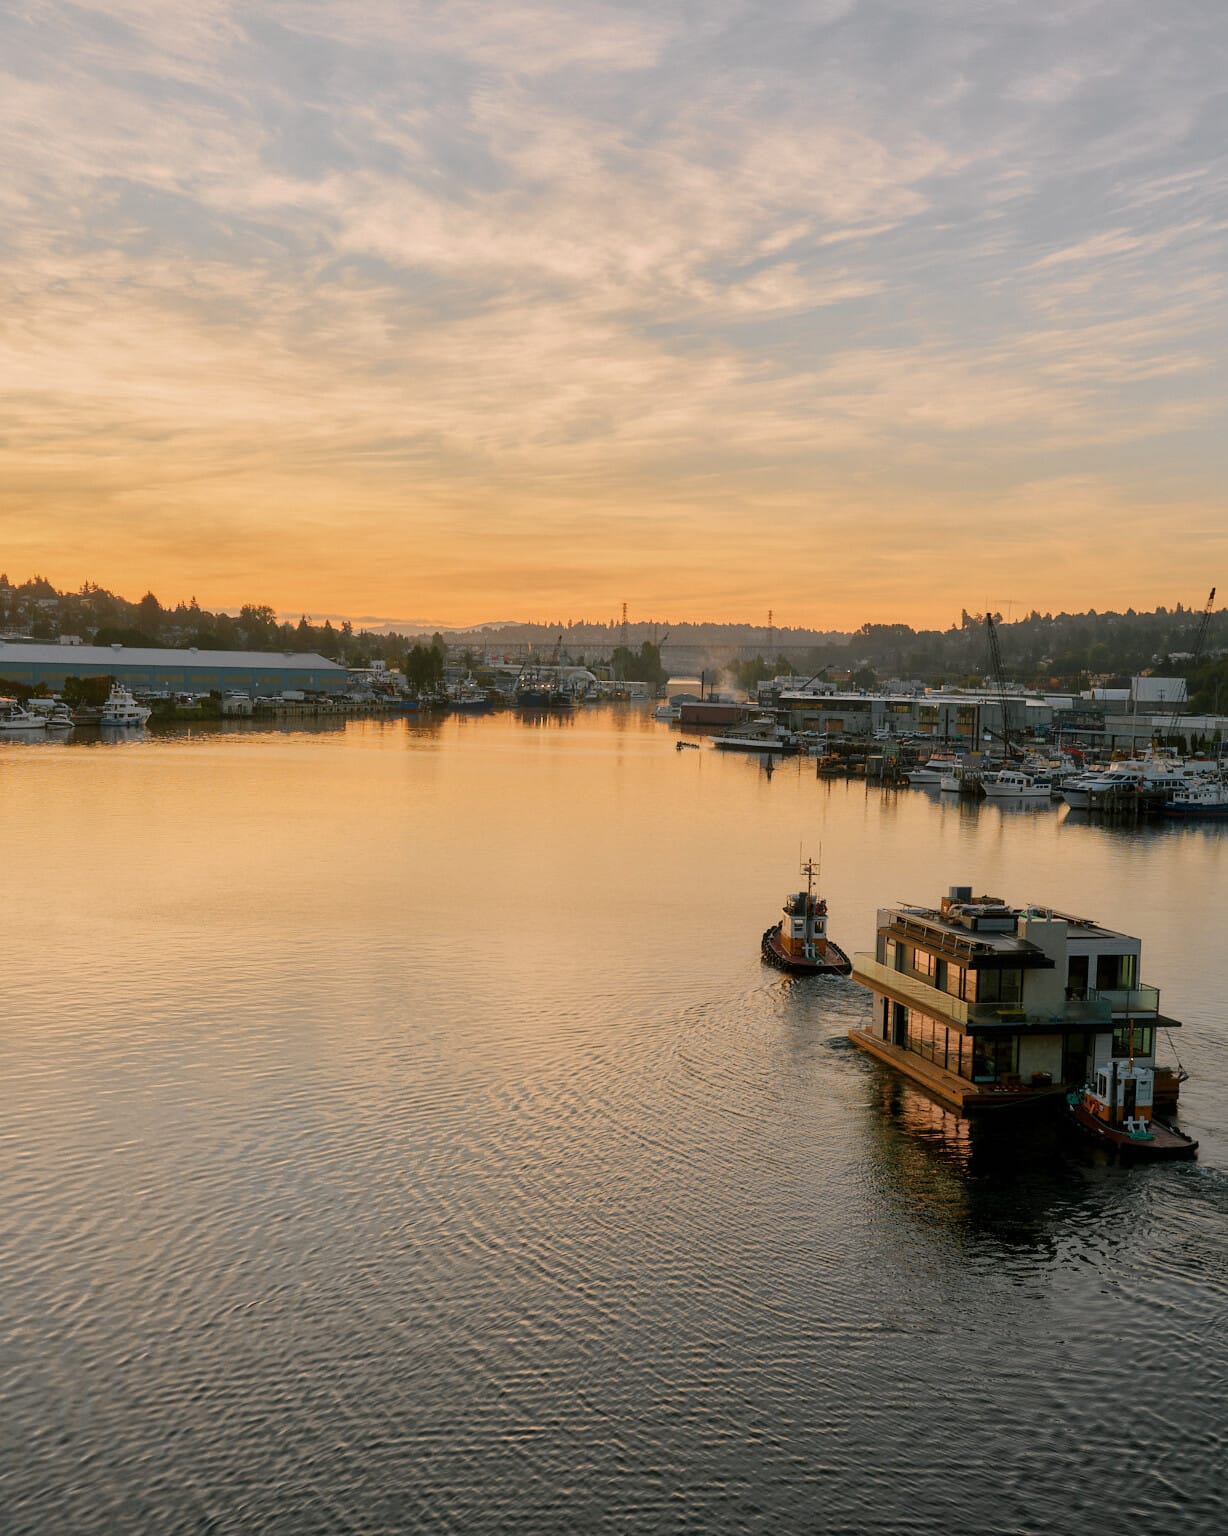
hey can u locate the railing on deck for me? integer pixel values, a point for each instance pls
(1118, 1000)
(1091, 1008)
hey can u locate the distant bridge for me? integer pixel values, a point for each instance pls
(683, 658)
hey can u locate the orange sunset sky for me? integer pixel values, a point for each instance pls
(460, 312)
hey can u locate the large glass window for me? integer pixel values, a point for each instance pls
(956, 980)
(994, 1057)
(1004, 986)
(1115, 971)
(1144, 1040)
(922, 963)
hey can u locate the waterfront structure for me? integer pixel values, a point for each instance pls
(187, 670)
(964, 717)
(984, 1004)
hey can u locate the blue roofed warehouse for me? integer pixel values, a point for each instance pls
(177, 671)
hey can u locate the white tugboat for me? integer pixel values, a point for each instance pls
(122, 709)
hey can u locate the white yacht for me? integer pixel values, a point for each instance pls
(938, 768)
(122, 709)
(14, 718)
(1137, 773)
(761, 735)
(1012, 784)
(59, 718)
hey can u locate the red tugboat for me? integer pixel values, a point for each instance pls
(1115, 1109)
(799, 943)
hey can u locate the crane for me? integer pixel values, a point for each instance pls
(999, 675)
(1200, 641)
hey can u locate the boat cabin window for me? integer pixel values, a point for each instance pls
(1144, 1040)
(1102, 1085)
(1005, 986)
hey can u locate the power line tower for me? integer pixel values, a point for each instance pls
(623, 639)
(771, 635)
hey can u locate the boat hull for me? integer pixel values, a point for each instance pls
(1165, 1141)
(837, 963)
(749, 744)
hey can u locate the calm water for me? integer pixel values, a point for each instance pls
(400, 1133)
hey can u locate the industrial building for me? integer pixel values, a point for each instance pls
(174, 671)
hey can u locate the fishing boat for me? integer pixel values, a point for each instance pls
(1203, 798)
(470, 698)
(1116, 1109)
(799, 943)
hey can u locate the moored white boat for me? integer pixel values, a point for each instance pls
(761, 735)
(1012, 784)
(1138, 774)
(932, 773)
(121, 709)
(14, 718)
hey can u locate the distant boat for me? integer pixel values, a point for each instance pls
(940, 766)
(122, 709)
(1011, 784)
(470, 698)
(761, 735)
(59, 718)
(1198, 799)
(14, 718)
(799, 943)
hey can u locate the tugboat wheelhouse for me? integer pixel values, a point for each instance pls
(984, 1004)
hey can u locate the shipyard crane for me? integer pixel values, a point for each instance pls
(999, 676)
(1200, 641)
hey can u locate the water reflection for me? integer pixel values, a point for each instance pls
(402, 1132)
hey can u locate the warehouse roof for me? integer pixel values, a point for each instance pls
(153, 656)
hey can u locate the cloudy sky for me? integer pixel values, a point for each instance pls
(853, 309)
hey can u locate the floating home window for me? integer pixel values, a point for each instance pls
(999, 986)
(1144, 1040)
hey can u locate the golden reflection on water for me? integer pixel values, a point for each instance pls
(424, 1077)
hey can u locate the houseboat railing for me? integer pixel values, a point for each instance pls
(1121, 1000)
(1089, 1009)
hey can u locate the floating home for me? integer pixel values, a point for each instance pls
(985, 1005)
